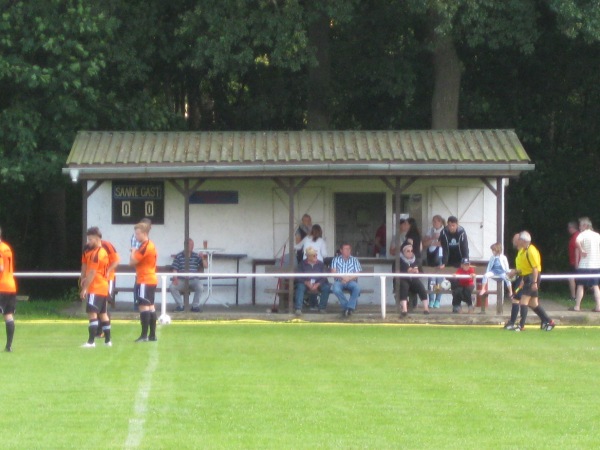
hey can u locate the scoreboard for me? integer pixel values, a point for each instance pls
(134, 200)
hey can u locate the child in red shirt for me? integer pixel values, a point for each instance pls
(463, 287)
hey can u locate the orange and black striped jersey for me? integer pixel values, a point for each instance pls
(7, 279)
(145, 269)
(113, 257)
(96, 259)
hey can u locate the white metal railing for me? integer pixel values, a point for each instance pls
(383, 276)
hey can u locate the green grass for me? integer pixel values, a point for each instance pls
(298, 385)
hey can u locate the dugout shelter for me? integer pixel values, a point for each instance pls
(246, 192)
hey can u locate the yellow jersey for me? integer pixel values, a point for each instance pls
(528, 259)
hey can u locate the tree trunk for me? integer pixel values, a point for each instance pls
(446, 90)
(319, 77)
(193, 102)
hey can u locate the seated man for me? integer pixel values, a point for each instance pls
(314, 284)
(196, 264)
(347, 264)
(463, 288)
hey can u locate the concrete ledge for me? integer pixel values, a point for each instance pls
(366, 313)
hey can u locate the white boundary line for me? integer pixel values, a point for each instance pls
(136, 430)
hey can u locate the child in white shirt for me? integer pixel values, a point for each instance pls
(497, 266)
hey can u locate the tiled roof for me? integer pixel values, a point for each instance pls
(254, 153)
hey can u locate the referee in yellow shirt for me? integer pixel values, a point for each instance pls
(529, 266)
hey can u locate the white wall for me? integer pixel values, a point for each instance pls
(255, 226)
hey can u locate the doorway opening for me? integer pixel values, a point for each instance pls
(357, 217)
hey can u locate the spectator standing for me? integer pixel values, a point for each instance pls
(588, 247)
(196, 263)
(434, 254)
(413, 236)
(8, 291)
(529, 266)
(345, 263)
(313, 240)
(403, 227)
(573, 230)
(315, 284)
(379, 247)
(302, 231)
(454, 244)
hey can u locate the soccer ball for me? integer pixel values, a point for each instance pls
(446, 285)
(164, 319)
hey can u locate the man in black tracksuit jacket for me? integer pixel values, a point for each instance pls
(454, 243)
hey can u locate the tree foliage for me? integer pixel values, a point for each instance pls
(52, 54)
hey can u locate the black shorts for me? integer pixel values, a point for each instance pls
(96, 304)
(527, 289)
(8, 303)
(516, 283)
(588, 282)
(144, 293)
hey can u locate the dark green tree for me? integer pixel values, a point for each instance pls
(52, 55)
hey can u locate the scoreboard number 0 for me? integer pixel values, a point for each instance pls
(149, 208)
(126, 209)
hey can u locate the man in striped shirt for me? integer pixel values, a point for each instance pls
(345, 263)
(196, 264)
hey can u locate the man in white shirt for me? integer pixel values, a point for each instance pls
(588, 246)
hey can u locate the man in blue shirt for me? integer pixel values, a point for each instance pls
(313, 284)
(347, 264)
(196, 264)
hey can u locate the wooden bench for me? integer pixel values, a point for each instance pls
(432, 272)
(282, 283)
(283, 286)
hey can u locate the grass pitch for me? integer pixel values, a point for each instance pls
(300, 385)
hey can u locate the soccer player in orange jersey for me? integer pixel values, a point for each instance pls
(8, 291)
(144, 261)
(113, 262)
(94, 286)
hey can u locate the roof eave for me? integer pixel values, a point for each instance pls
(77, 172)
